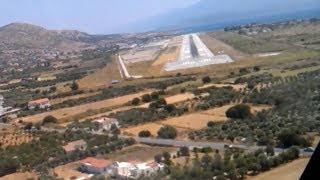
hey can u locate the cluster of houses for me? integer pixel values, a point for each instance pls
(119, 170)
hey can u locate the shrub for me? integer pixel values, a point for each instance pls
(144, 133)
(74, 86)
(206, 79)
(49, 119)
(210, 124)
(146, 98)
(135, 101)
(240, 111)
(184, 151)
(155, 95)
(167, 132)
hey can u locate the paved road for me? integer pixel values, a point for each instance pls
(213, 145)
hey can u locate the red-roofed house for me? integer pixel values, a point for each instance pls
(74, 145)
(105, 123)
(41, 103)
(93, 165)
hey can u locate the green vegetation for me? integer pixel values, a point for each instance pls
(49, 119)
(144, 133)
(167, 132)
(36, 154)
(240, 111)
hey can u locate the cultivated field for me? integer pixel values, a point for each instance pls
(65, 113)
(13, 139)
(290, 171)
(236, 87)
(188, 122)
(60, 100)
(174, 99)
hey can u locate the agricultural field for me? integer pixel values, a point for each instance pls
(66, 114)
(189, 122)
(15, 138)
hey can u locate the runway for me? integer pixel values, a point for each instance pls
(194, 53)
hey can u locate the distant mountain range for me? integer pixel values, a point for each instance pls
(213, 15)
(16, 35)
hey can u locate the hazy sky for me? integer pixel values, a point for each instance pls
(94, 16)
(110, 16)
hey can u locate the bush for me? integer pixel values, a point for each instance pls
(184, 151)
(135, 101)
(74, 86)
(167, 132)
(155, 95)
(240, 111)
(49, 119)
(206, 79)
(146, 98)
(144, 133)
(210, 124)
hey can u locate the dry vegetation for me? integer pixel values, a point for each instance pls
(20, 176)
(14, 138)
(290, 171)
(69, 170)
(101, 77)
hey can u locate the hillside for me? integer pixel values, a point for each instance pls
(19, 35)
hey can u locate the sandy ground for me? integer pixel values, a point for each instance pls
(101, 77)
(236, 87)
(19, 176)
(60, 100)
(72, 111)
(290, 171)
(69, 170)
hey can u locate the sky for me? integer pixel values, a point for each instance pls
(93, 16)
(118, 16)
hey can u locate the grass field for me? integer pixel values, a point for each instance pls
(174, 99)
(290, 171)
(101, 77)
(13, 139)
(69, 170)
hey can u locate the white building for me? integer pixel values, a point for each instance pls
(105, 123)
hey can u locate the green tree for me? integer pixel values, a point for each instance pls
(74, 86)
(144, 133)
(135, 101)
(206, 79)
(49, 119)
(146, 98)
(167, 132)
(240, 111)
(184, 151)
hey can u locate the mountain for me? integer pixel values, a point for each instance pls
(221, 13)
(21, 35)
